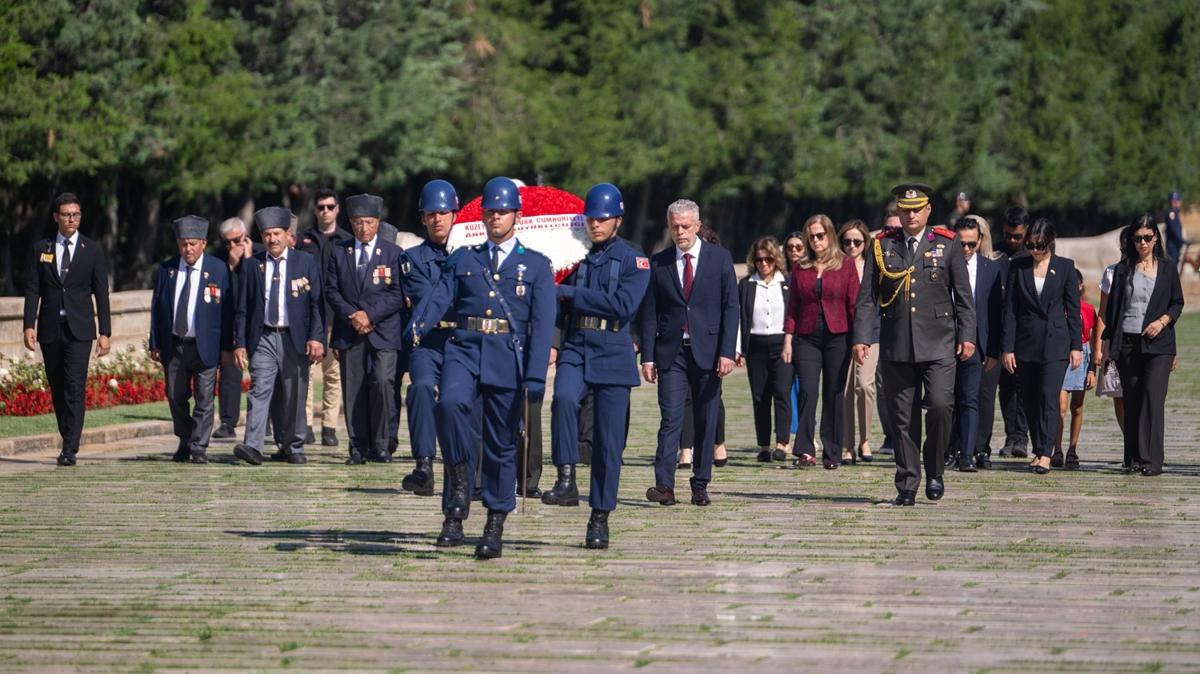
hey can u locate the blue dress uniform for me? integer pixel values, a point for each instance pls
(600, 299)
(368, 362)
(500, 345)
(191, 351)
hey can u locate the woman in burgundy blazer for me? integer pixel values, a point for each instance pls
(820, 313)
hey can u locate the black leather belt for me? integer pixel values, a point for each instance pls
(597, 323)
(687, 341)
(488, 326)
(185, 340)
(271, 328)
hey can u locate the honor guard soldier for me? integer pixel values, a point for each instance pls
(420, 272)
(367, 303)
(915, 280)
(278, 331)
(503, 297)
(599, 299)
(189, 307)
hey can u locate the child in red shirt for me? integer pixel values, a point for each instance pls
(1076, 384)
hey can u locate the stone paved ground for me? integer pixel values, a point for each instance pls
(129, 562)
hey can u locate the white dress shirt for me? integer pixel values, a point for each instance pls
(972, 270)
(767, 316)
(60, 248)
(505, 249)
(365, 251)
(284, 288)
(194, 289)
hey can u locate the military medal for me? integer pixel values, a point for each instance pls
(207, 297)
(405, 267)
(520, 290)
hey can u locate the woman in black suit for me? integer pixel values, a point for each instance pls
(1144, 303)
(1041, 332)
(764, 300)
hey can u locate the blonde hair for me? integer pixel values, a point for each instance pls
(766, 244)
(833, 252)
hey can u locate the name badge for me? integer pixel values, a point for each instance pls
(47, 257)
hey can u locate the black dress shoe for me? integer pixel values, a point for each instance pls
(934, 488)
(779, 455)
(533, 492)
(279, 455)
(379, 456)
(199, 458)
(66, 459)
(182, 453)
(661, 495)
(224, 432)
(1151, 472)
(597, 531)
(564, 492)
(1019, 452)
(700, 496)
(764, 456)
(967, 465)
(1005, 451)
(451, 534)
(297, 458)
(905, 498)
(248, 454)
(983, 462)
(309, 438)
(329, 437)
(355, 459)
(491, 544)
(420, 480)
(392, 445)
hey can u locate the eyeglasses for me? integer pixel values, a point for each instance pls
(795, 246)
(970, 245)
(1143, 238)
(760, 260)
(327, 207)
(852, 242)
(817, 236)
(1041, 245)
(71, 216)
(230, 243)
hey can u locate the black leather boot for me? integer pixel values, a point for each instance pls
(597, 530)
(452, 533)
(564, 492)
(459, 503)
(491, 544)
(420, 480)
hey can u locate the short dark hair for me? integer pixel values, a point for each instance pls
(1042, 229)
(324, 193)
(892, 211)
(64, 199)
(1016, 217)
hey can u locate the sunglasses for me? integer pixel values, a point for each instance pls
(1143, 238)
(760, 260)
(817, 236)
(1037, 246)
(852, 242)
(795, 246)
(970, 245)
(230, 243)
(327, 207)
(1011, 236)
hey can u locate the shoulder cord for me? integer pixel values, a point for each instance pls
(906, 275)
(517, 351)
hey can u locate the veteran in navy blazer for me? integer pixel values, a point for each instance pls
(1042, 331)
(278, 331)
(503, 296)
(367, 309)
(64, 274)
(987, 284)
(188, 310)
(689, 340)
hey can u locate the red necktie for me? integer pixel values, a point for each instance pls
(688, 279)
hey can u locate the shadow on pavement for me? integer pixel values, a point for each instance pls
(359, 542)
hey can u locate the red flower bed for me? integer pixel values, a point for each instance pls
(21, 401)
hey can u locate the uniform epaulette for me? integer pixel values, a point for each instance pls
(883, 234)
(942, 231)
(479, 247)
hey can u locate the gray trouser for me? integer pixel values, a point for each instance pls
(192, 426)
(277, 369)
(368, 392)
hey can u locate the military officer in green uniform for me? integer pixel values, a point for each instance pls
(915, 280)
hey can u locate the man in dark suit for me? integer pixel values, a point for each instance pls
(278, 331)
(64, 275)
(915, 280)
(367, 308)
(236, 247)
(320, 241)
(689, 340)
(187, 312)
(988, 287)
(1016, 426)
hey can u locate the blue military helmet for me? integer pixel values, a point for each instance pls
(438, 196)
(604, 201)
(501, 194)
